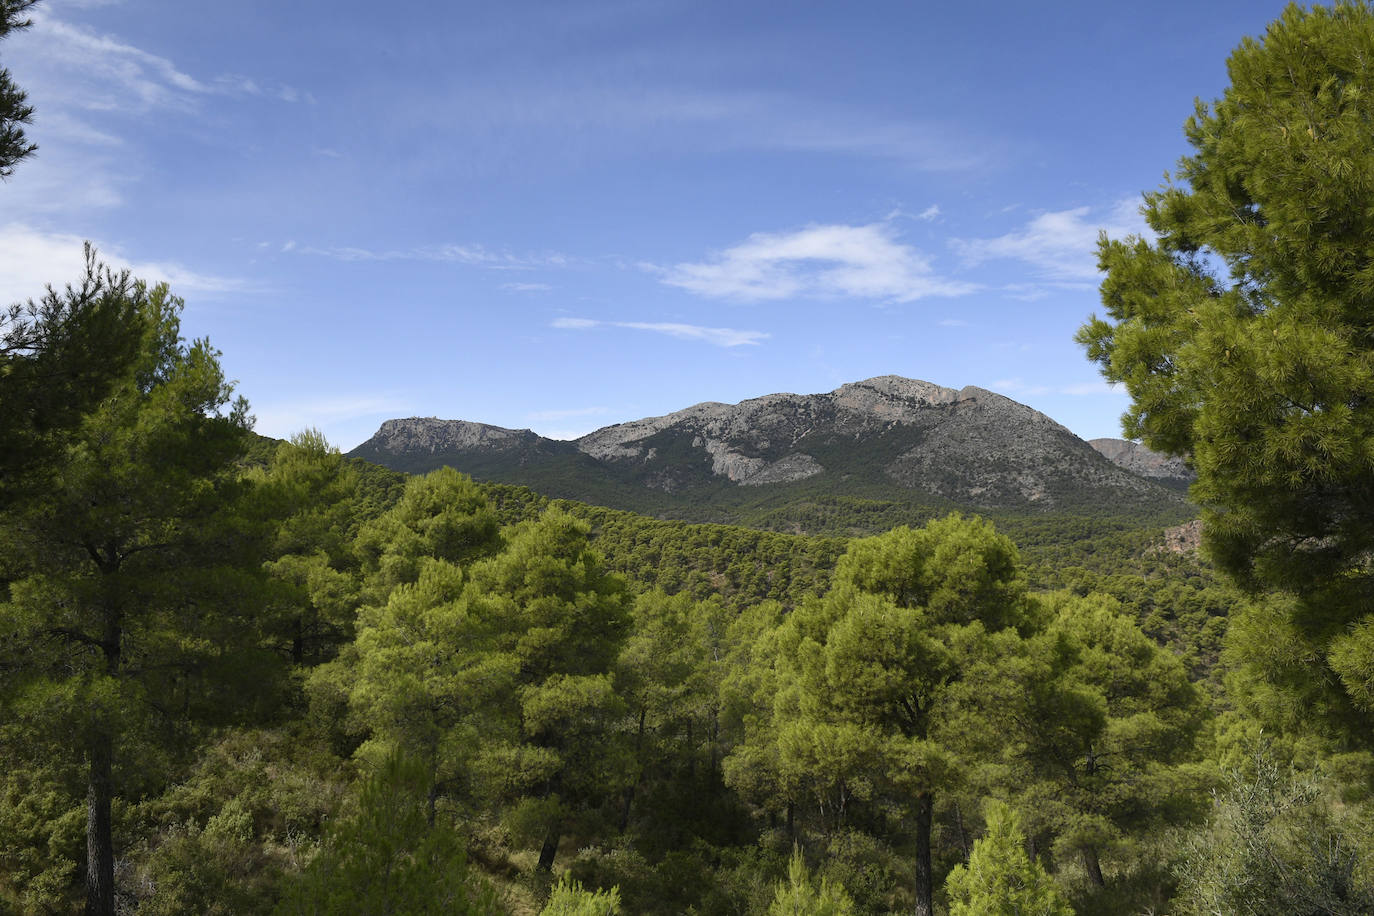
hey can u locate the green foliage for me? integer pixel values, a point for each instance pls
(42, 840)
(1095, 731)
(864, 705)
(135, 579)
(386, 858)
(316, 496)
(14, 108)
(735, 565)
(59, 357)
(236, 825)
(569, 899)
(669, 674)
(551, 616)
(1277, 845)
(498, 675)
(798, 896)
(441, 516)
(1000, 879)
(1243, 336)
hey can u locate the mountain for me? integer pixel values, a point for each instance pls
(883, 442)
(1138, 459)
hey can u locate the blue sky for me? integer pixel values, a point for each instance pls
(569, 214)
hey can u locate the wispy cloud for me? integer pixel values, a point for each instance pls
(104, 73)
(822, 261)
(472, 255)
(581, 118)
(1061, 245)
(929, 213)
(286, 418)
(31, 259)
(527, 287)
(720, 337)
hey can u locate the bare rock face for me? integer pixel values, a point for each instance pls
(427, 434)
(1138, 459)
(798, 466)
(969, 446)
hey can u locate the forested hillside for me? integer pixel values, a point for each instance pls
(240, 675)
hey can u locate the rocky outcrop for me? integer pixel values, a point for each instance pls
(1184, 539)
(1139, 459)
(967, 446)
(431, 435)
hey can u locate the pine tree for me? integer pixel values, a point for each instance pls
(135, 575)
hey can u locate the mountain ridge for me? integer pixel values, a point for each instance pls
(886, 438)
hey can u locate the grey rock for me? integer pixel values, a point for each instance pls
(1138, 459)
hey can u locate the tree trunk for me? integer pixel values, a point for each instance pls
(548, 851)
(963, 836)
(639, 773)
(99, 837)
(925, 890)
(100, 887)
(1093, 865)
(298, 643)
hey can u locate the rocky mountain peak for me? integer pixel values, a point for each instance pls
(432, 435)
(966, 446)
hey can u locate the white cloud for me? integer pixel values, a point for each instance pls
(929, 213)
(819, 261)
(30, 260)
(576, 323)
(107, 74)
(1060, 245)
(63, 126)
(117, 73)
(720, 337)
(953, 323)
(527, 287)
(473, 255)
(63, 181)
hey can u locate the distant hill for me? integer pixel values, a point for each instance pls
(863, 457)
(1138, 459)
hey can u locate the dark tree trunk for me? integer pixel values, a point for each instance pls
(1093, 865)
(963, 836)
(99, 837)
(298, 644)
(100, 887)
(925, 890)
(548, 851)
(639, 775)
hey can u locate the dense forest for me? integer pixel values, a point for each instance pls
(247, 676)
